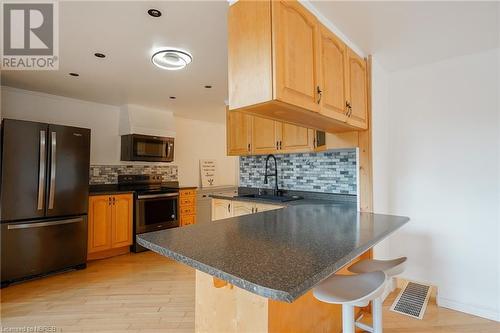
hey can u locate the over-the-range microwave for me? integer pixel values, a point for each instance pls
(138, 147)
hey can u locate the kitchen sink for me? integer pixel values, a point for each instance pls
(267, 197)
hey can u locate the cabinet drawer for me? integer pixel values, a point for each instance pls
(188, 219)
(187, 201)
(187, 210)
(187, 193)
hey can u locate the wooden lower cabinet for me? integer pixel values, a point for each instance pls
(187, 206)
(260, 207)
(223, 208)
(109, 225)
(99, 223)
(241, 208)
(121, 221)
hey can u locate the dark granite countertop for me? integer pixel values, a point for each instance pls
(187, 187)
(279, 254)
(107, 189)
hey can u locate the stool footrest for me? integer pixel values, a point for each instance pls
(364, 327)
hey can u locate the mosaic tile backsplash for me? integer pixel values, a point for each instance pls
(108, 174)
(327, 172)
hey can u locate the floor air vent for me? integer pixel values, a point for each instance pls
(412, 300)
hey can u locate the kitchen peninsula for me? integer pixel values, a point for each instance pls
(255, 272)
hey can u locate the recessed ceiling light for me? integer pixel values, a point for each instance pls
(208, 86)
(172, 97)
(100, 55)
(171, 59)
(74, 74)
(154, 12)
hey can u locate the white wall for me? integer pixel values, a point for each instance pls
(498, 161)
(194, 139)
(197, 140)
(438, 163)
(380, 147)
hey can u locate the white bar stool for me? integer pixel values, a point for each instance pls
(390, 267)
(351, 291)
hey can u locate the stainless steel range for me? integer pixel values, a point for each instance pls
(155, 203)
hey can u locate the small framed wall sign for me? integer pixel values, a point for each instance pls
(208, 172)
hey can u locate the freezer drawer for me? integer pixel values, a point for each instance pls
(43, 246)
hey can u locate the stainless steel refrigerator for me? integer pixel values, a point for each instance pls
(43, 198)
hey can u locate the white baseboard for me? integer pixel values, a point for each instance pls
(468, 308)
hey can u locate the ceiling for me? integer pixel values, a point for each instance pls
(398, 34)
(403, 34)
(128, 36)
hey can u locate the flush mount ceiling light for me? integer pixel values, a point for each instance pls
(154, 12)
(171, 59)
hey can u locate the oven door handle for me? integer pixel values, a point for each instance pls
(153, 196)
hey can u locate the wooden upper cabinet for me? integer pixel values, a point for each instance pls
(121, 226)
(333, 55)
(239, 128)
(284, 65)
(357, 94)
(249, 54)
(265, 135)
(296, 139)
(295, 41)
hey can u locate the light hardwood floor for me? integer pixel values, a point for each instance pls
(148, 293)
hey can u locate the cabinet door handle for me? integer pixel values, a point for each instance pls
(43, 224)
(229, 207)
(114, 201)
(314, 142)
(248, 147)
(277, 145)
(109, 201)
(320, 93)
(348, 112)
(280, 145)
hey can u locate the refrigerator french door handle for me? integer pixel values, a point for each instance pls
(53, 152)
(43, 224)
(41, 171)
